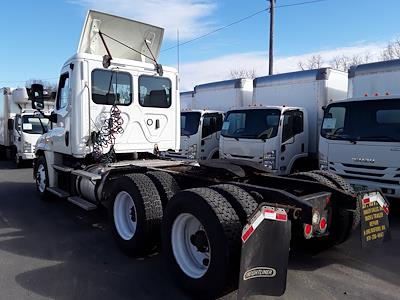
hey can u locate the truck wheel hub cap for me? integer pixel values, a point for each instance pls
(190, 245)
(125, 216)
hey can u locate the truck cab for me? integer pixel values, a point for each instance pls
(27, 129)
(360, 136)
(274, 137)
(200, 134)
(279, 130)
(111, 100)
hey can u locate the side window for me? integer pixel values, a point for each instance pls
(63, 91)
(111, 87)
(154, 91)
(292, 124)
(211, 124)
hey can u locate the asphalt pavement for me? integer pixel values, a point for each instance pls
(54, 250)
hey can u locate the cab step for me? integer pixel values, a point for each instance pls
(62, 168)
(58, 192)
(82, 203)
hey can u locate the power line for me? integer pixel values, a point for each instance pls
(16, 81)
(240, 21)
(218, 29)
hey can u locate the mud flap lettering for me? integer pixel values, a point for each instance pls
(374, 219)
(265, 254)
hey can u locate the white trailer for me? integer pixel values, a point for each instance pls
(19, 127)
(280, 130)
(201, 121)
(187, 100)
(360, 137)
(114, 99)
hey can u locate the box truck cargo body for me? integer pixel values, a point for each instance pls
(19, 127)
(280, 130)
(360, 137)
(201, 121)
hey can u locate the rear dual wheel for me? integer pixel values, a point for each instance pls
(136, 213)
(136, 209)
(201, 237)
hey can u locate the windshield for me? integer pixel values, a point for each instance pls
(189, 123)
(251, 124)
(31, 124)
(372, 120)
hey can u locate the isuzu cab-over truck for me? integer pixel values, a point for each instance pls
(280, 130)
(114, 98)
(201, 120)
(360, 136)
(19, 127)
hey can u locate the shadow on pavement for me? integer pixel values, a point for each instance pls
(84, 261)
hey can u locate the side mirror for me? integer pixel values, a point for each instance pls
(37, 96)
(53, 117)
(10, 124)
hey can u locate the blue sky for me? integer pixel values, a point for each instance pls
(38, 36)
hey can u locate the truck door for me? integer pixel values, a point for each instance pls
(211, 128)
(61, 128)
(293, 139)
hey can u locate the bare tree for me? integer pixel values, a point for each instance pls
(243, 73)
(314, 62)
(48, 86)
(391, 51)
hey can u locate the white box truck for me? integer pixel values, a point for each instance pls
(19, 127)
(114, 98)
(280, 130)
(360, 137)
(201, 121)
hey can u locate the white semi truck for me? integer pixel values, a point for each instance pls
(19, 127)
(203, 114)
(114, 98)
(360, 137)
(280, 130)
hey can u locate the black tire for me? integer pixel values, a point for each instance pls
(149, 214)
(342, 184)
(242, 202)
(341, 220)
(18, 160)
(166, 185)
(223, 230)
(44, 194)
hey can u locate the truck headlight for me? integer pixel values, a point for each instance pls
(269, 160)
(27, 147)
(192, 151)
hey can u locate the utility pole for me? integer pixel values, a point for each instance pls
(271, 36)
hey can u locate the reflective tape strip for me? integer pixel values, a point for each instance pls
(371, 197)
(269, 213)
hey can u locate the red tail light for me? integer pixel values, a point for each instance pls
(308, 231)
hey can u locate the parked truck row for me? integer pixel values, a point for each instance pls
(346, 123)
(20, 128)
(112, 102)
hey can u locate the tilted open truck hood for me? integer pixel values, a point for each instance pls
(132, 33)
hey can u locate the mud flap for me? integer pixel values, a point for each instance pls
(265, 253)
(374, 219)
